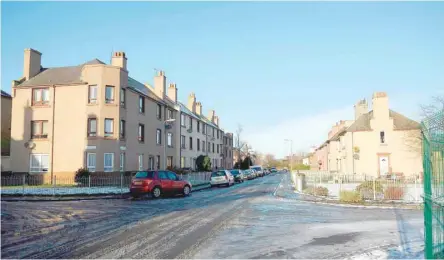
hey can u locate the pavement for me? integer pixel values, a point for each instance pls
(247, 220)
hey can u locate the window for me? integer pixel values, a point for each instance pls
(151, 163)
(170, 140)
(140, 162)
(218, 148)
(122, 162)
(141, 133)
(109, 127)
(39, 129)
(182, 119)
(217, 134)
(109, 94)
(92, 94)
(163, 175)
(213, 132)
(191, 123)
(172, 176)
(92, 127)
(170, 161)
(122, 97)
(182, 141)
(182, 162)
(141, 104)
(158, 162)
(198, 144)
(382, 137)
(122, 129)
(204, 128)
(159, 111)
(191, 143)
(193, 166)
(170, 114)
(213, 147)
(158, 136)
(209, 146)
(40, 96)
(91, 162)
(198, 126)
(203, 146)
(39, 163)
(108, 162)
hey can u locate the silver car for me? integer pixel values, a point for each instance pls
(221, 177)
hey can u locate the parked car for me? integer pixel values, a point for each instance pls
(259, 170)
(238, 175)
(221, 177)
(249, 174)
(158, 183)
(273, 169)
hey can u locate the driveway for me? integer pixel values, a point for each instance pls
(243, 221)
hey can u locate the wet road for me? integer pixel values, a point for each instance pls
(243, 221)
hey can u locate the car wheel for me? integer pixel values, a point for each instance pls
(157, 192)
(186, 190)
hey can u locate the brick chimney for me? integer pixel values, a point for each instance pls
(172, 92)
(199, 108)
(32, 63)
(361, 108)
(160, 84)
(380, 104)
(119, 59)
(192, 102)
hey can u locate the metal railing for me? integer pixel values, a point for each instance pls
(43, 185)
(406, 189)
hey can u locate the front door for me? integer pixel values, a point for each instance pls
(383, 165)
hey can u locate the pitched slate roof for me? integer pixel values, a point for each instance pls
(400, 122)
(59, 75)
(5, 94)
(141, 88)
(185, 109)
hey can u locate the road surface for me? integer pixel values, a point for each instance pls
(260, 218)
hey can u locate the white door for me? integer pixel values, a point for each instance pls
(383, 165)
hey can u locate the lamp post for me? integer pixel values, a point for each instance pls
(291, 153)
(167, 125)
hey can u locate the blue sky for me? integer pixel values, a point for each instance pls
(282, 70)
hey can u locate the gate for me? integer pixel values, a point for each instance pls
(433, 163)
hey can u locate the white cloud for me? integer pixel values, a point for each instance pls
(305, 131)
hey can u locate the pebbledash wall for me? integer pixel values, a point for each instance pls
(54, 110)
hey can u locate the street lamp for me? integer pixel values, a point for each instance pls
(291, 153)
(167, 125)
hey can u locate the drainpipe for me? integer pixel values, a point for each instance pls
(52, 135)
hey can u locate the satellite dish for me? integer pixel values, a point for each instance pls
(30, 145)
(356, 156)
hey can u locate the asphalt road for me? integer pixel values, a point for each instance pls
(244, 221)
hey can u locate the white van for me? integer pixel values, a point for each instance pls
(259, 170)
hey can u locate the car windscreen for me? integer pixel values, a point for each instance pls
(218, 174)
(235, 172)
(145, 174)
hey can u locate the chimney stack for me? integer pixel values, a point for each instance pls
(361, 108)
(119, 59)
(199, 108)
(32, 63)
(380, 104)
(160, 84)
(172, 92)
(211, 115)
(192, 102)
(216, 120)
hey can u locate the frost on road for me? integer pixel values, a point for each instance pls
(243, 221)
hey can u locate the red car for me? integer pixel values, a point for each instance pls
(158, 183)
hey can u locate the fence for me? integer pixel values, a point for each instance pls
(92, 185)
(433, 163)
(366, 187)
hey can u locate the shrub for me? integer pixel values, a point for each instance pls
(203, 163)
(82, 175)
(316, 191)
(393, 193)
(350, 196)
(366, 191)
